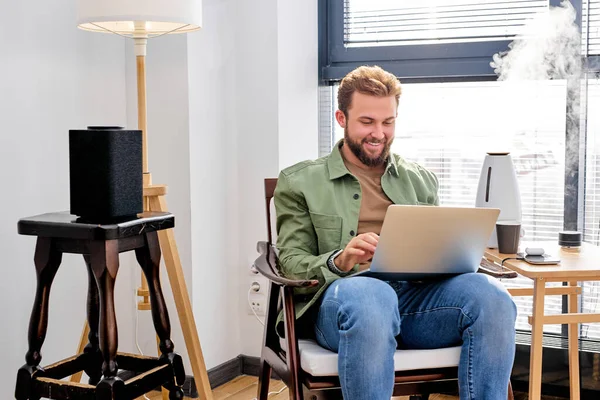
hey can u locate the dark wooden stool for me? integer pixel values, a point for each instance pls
(100, 246)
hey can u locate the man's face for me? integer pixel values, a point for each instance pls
(369, 127)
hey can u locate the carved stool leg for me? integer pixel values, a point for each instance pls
(92, 350)
(149, 259)
(104, 257)
(47, 260)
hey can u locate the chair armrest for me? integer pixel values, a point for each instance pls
(497, 271)
(266, 265)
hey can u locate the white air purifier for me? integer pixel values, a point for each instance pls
(498, 188)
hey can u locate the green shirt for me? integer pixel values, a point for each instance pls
(317, 204)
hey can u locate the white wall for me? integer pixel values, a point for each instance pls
(257, 111)
(54, 77)
(298, 76)
(253, 110)
(215, 193)
(278, 107)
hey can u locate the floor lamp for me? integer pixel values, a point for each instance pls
(141, 20)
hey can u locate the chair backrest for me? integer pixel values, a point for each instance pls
(270, 184)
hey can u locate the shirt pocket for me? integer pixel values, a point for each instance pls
(329, 231)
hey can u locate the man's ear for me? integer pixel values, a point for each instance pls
(340, 118)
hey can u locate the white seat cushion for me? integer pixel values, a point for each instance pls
(319, 361)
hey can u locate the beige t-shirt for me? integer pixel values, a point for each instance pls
(374, 202)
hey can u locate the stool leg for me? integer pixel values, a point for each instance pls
(93, 366)
(104, 257)
(149, 259)
(47, 260)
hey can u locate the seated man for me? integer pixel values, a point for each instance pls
(329, 215)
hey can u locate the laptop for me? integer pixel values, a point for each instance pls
(429, 242)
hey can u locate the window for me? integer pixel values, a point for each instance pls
(449, 127)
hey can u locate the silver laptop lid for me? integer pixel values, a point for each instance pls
(419, 241)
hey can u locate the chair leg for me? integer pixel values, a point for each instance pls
(264, 378)
(293, 358)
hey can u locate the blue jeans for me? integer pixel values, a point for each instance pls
(364, 320)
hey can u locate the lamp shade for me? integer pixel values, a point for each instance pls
(128, 17)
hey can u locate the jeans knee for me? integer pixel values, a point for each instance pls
(367, 304)
(492, 304)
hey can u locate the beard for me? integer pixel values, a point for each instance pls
(358, 150)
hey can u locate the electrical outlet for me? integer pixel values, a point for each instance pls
(258, 303)
(257, 298)
(258, 287)
(261, 281)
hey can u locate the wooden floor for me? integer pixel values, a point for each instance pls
(244, 388)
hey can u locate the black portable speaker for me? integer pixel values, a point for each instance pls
(105, 164)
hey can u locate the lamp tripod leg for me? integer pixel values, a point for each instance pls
(182, 302)
(76, 377)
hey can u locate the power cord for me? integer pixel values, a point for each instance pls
(254, 288)
(520, 258)
(270, 393)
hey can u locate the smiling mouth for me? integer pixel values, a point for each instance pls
(373, 145)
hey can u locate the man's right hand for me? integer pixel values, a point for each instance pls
(360, 249)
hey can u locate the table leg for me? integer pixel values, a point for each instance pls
(47, 260)
(92, 349)
(537, 330)
(574, 347)
(149, 259)
(104, 257)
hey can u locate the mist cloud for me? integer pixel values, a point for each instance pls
(549, 48)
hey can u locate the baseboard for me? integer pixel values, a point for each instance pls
(226, 372)
(217, 376)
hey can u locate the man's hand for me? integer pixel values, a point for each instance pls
(360, 249)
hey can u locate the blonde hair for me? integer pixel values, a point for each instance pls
(373, 81)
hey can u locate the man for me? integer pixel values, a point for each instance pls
(329, 215)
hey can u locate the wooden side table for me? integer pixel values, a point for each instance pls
(575, 266)
(100, 245)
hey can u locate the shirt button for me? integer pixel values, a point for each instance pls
(355, 196)
(351, 233)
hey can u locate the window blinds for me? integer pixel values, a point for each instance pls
(409, 22)
(590, 16)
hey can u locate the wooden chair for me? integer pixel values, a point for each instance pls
(310, 371)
